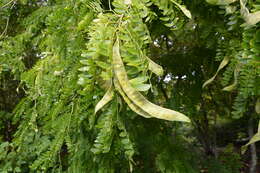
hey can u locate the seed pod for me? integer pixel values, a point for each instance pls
(223, 63)
(155, 68)
(233, 86)
(132, 106)
(220, 2)
(106, 98)
(136, 97)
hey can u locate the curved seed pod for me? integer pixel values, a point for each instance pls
(136, 97)
(254, 139)
(220, 2)
(132, 106)
(106, 98)
(223, 63)
(155, 68)
(252, 18)
(233, 86)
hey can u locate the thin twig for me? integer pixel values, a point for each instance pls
(5, 30)
(7, 22)
(7, 4)
(109, 5)
(13, 4)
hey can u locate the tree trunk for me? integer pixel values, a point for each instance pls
(253, 162)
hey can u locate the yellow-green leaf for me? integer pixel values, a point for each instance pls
(142, 87)
(83, 69)
(138, 80)
(103, 65)
(106, 75)
(128, 2)
(83, 24)
(183, 9)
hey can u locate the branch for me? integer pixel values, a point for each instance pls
(7, 3)
(5, 30)
(253, 163)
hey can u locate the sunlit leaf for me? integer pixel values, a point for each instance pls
(86, 68)
(183, 9)
(138, 80)
(142, 87)
(103, 65)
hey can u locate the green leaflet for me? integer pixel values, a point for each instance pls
(142, 87)
(106, 124)
(138, 83)
(232, 86)
(138, 80)
(221, 66)
(83, 69)
(155, 68)
(83, 24)
(183, 9)
(128, 2)
(136, 97)
(132, 106)
(106, 98)
(254, 139)
(102, 65)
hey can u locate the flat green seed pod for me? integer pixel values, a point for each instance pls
(223, 63)
(233, 86)
(131, 105)
(155, 68)
(136, 97)
(106, 98)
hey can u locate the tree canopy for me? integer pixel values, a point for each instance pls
(139, 86)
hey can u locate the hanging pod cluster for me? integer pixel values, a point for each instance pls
(134, 99)
(122, 68)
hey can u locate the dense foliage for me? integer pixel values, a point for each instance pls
(76, 77)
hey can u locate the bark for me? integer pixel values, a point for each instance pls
(205, 133)
(253, 162)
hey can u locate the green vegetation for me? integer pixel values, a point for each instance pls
(142, 86)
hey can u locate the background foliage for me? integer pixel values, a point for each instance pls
(56, 64)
